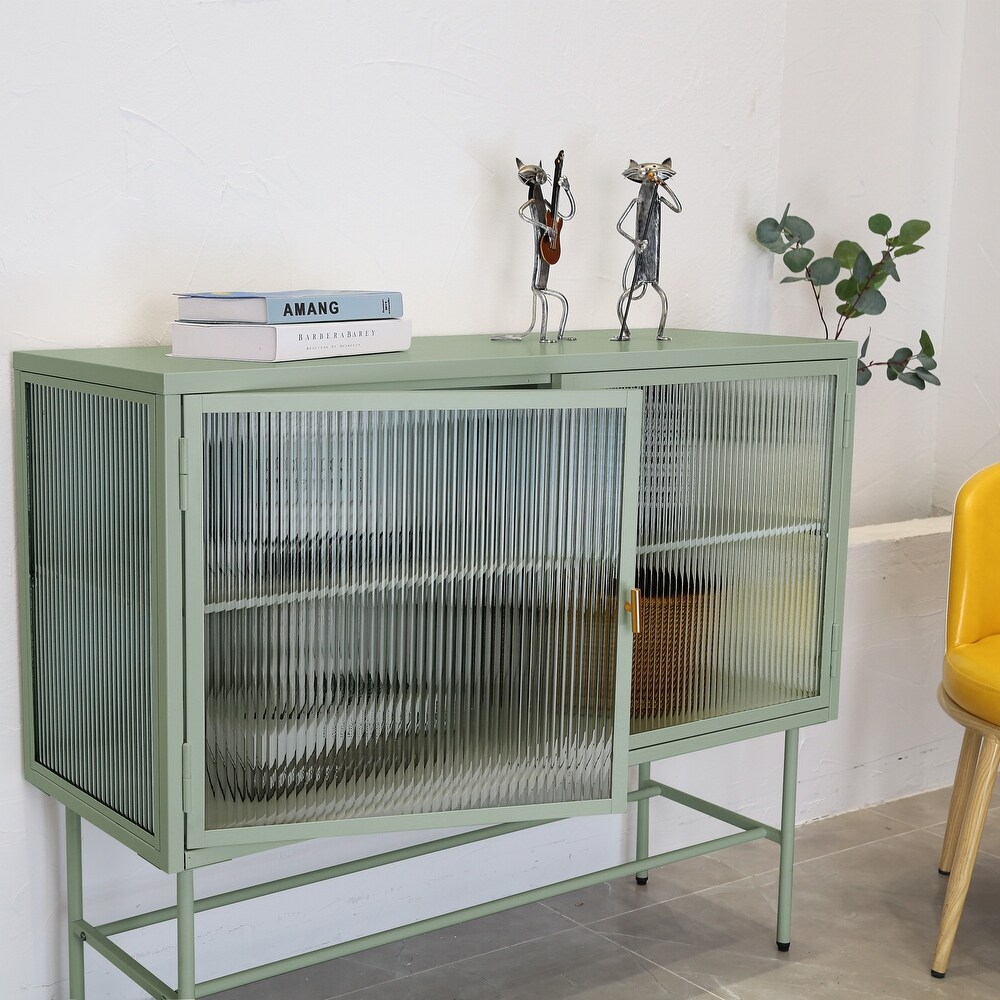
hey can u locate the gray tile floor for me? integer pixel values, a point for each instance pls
(866, 904)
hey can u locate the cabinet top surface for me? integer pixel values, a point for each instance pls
(152, 369)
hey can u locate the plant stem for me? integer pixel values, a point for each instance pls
(883, 364)
(819, 305)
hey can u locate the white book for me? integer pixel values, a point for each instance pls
(288, 341)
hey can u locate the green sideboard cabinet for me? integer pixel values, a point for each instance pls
(466, 585)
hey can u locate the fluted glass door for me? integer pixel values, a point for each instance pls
(739, 540)
(406, 610)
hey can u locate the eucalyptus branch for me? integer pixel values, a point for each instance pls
(859, 292)
(898, 366)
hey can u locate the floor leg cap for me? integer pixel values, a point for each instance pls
(783, 945)
(641, 879)
(936, 974)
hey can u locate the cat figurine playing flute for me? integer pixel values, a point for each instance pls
(645, 257)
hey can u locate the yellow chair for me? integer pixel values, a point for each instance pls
(970, 688)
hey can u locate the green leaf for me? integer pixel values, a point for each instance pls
(784, 215)
(888, 265)
(769, 235)
(847, 290)
(768, 230)
(846, 253)
(824, 271)
(924, 361)
(880, 224)
(901, 357)
(907, 250)
(927, 376)
(878, 281)
(798, 229)
(846, 309)
(871, 303)
(911, 379)
(864, 373)
(926, 346)
(798, 259)
(862, 267)
(864, 346)
(910, 232)
(794, 277)
(891, 373)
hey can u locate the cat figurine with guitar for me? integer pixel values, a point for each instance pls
(645, 257)
(546, 223)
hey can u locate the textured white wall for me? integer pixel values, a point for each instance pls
(969, 424)
(159, 147)
(183, 145)
(869, 124)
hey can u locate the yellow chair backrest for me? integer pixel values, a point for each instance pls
(974, 588)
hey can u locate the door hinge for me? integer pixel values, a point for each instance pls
(186, 777)
(182, 473)
(835, 634)
(848, 424)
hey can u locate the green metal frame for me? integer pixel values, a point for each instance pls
(100, 937)
(430, 360)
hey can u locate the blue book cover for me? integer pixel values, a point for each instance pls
(307, 305)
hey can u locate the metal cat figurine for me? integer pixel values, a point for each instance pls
(645, 257)
(546, 222)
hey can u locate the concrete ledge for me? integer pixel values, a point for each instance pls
(897, 531)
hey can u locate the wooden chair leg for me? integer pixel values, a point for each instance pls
(966, 849)
(959, 797)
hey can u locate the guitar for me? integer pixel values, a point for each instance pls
(551, 250)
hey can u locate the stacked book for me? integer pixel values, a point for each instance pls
(288, 326)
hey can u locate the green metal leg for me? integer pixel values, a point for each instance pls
(642, 826)
(74, 904)
(185, 935)
(788, 788)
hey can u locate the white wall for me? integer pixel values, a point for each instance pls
(187, 145)
(159, 147)
(869, 124)
(969, 432)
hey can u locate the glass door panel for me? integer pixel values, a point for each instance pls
(410, 607)
(733, 536)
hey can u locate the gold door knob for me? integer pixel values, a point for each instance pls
(633, 609)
